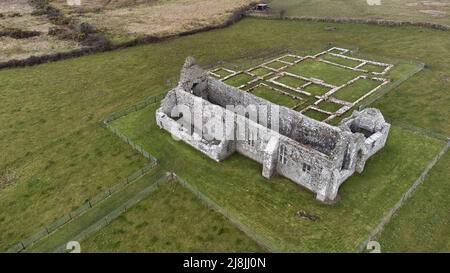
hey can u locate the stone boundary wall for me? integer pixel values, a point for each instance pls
(35, 60)
(406, 196)
(344, 20)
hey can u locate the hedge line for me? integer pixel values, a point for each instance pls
(103, 47)
(383, 22)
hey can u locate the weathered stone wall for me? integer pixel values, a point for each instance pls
(313, 154)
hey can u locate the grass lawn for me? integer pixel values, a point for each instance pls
(289, 59)
(338, 60)
(315, 115)
(49, 115)
(373, 68)
(276, 65)
(268, 207)
(422, 225)
(317, 90)
(275, 97)
(260, 71)
(358, 89)
(392, 10)
(291, 81)
(166, 211)
(329, 73)
(238, 80)
(329, 106)
(222, 73)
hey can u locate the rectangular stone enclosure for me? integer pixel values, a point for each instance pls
(218, 120)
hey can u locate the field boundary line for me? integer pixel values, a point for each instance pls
(74, 214)
(90, 203)
(234, 17)
(345, 20)
(116, 212)
(214, 206)
(406, 196)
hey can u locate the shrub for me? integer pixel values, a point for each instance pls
(18, 33)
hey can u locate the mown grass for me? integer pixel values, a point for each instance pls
(339, 60)
(392, 10)
(373, 68)
(268, 206)
(330, 74)
(238, 80)
(356, 90)
(260, 71)
(291, 81)
(276, 65)
(51, 138)
(315, 114)
(175, 220)
(275, 97)
(422, 225)
(329, 106)
(316, 90)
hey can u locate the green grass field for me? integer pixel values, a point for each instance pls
(358, 89)
(341, 61)
(49, 119)
(174, 220)
(330, 74)
(409, 10)
(260, 71)
(317, 90)
(329, 106)
(238, 80)
(275, 97)
(268, 207)
(422, 225)
(291, 81)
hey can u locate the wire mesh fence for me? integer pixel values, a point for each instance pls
(213, 205)
(21, 246)
(115, 213)
(418, 67)
(405, 197)
(80, 210)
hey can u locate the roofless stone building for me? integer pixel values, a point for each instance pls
(313, 154)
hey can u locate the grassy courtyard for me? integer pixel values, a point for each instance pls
(51, 137)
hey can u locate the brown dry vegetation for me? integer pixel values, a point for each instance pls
(157, 18)
(22, 48)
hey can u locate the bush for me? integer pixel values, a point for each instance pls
(18, 33)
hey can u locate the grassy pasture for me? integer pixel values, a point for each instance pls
(50, 136)
(175, 220)
(437, 11)
(422, 223)
(268, 207)
(331, 74)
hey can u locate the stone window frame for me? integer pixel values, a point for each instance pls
(306, 168)
(283, 154)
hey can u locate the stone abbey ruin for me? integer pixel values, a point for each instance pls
(309, 152)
